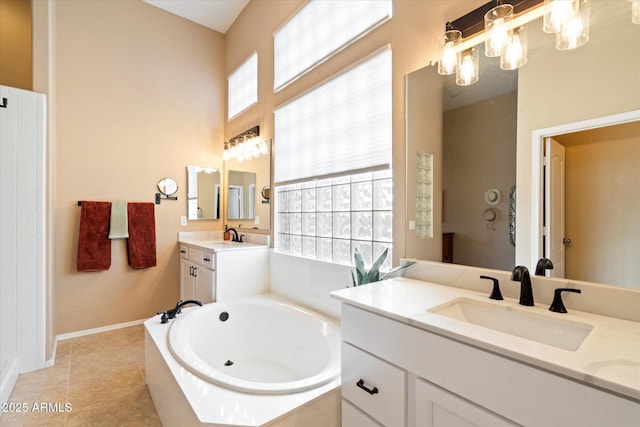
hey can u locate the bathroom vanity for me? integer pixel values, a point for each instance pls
(213, 269)
(414, 354)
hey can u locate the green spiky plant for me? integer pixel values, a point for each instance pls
(362, 276)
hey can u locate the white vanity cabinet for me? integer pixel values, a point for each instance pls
(213, 271)
(425, 379)
(197, 274)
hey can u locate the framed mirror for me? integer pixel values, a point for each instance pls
(555, 89)
(203, 193)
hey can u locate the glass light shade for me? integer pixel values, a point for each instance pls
(556, 13)
(515, 53)
(575, 32)
(497, 25)
(635, 11)
(467, 73)
(448, 60)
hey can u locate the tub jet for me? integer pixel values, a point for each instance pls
(228, 363)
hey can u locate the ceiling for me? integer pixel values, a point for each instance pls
(215, 14)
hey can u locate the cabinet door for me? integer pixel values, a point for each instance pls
(187, 280)
(205, 285)
(436, 407)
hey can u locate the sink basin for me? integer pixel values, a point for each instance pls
(545, 329)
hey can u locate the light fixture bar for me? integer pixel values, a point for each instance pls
(473, 22)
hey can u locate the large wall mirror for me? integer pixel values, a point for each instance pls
(485, 138)
(245, 184)
(203, 193)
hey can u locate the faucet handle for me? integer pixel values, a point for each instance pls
(557, 305)
(495, 292)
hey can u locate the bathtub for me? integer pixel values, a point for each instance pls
(257, 345)
(256, 361)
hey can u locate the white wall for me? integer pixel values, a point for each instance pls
(22, 235)
(308, 282)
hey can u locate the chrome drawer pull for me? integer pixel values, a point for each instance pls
(360, 384)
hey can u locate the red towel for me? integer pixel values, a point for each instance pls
(94, 246)
(141, 245)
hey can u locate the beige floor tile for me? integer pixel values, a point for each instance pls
(100, 375)
(97, 363)
(106, 388)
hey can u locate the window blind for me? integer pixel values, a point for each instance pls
(319, 29)
(343, 125)
(243, 87)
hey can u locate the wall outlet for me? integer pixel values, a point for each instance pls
(183, 221)
(412, 224)
(256, 220)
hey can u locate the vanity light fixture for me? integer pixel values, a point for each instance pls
(502, 26)
(245, 146)
(497, 26)
(467, 73)
(447, 43)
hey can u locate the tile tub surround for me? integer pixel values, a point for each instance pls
(100, 375)
(608, 358)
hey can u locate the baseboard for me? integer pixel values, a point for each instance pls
(85, 332)
(9, 378)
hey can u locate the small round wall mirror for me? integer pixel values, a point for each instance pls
(266, 192)
(167, 186)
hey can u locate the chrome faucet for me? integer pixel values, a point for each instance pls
(543, 265)
(172, 313)
(521, 274)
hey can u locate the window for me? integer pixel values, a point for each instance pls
(318, 30)
(341, 126)
(243, 87)
(333, 187)
(328, 219)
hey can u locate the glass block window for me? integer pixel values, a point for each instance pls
(327, 219)
(318, 30)
(242, 86)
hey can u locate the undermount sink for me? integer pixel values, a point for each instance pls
(545, 329)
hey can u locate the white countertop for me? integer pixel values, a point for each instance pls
(609, 357)
(221, 245)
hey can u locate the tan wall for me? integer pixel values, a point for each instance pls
(140, 95)
(602, 211)
(479, 154)
(412, 34)
(15, 44)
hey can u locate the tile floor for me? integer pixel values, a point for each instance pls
(101, 378)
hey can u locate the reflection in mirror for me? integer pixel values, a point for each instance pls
(554, 89)
(203, 193)
(479, 154)
(241, 195)
(167, 186)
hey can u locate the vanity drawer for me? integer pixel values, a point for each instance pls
(205, 259)
(208, 260)
(184, 252)
(373, 385)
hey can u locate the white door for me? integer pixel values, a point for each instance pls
(236, 202)
(555, 205)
